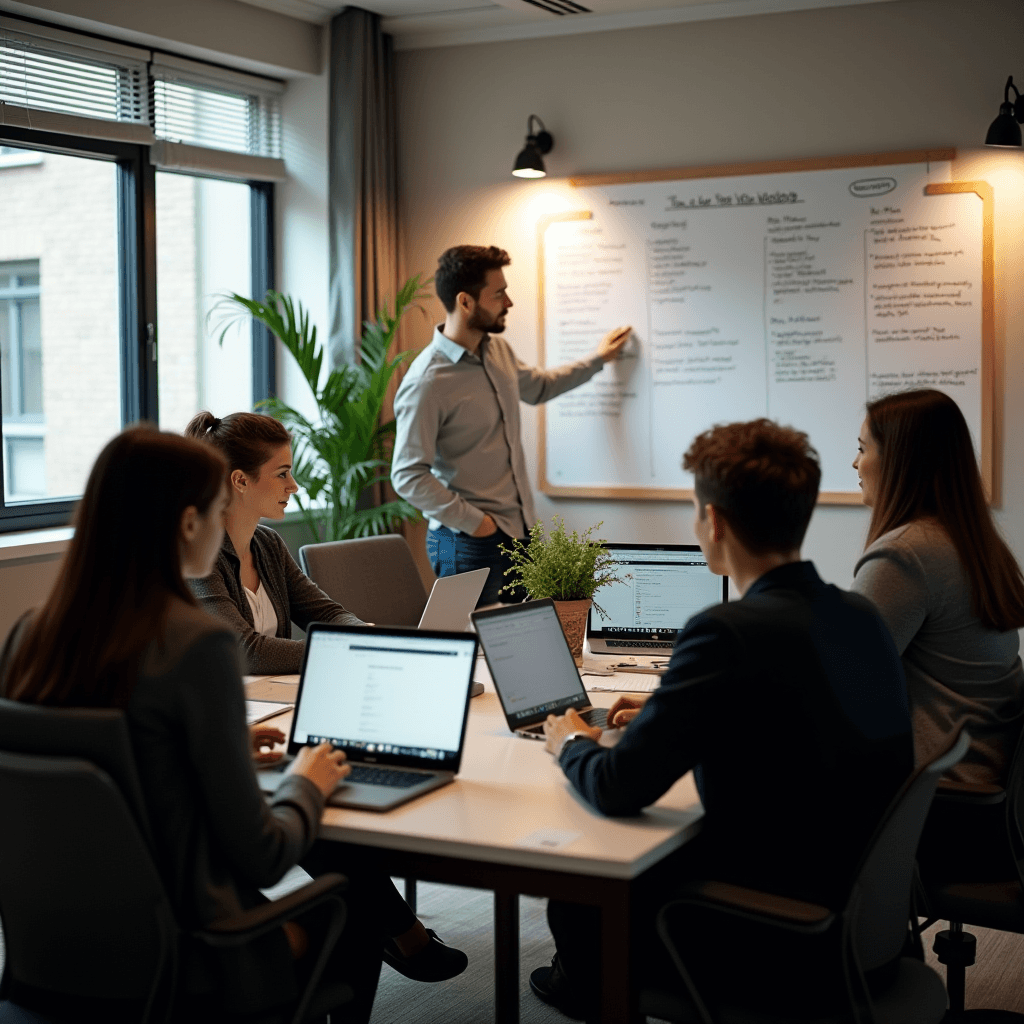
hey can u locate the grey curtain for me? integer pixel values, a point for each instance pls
(362, 177)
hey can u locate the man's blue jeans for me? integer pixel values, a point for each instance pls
(451, 553)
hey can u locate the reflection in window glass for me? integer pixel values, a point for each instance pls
(203, 252)
(60, 352)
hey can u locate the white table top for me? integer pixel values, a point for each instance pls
(511, 804)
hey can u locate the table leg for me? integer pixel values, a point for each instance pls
(410, 893)
(618, 994)
(506, 957)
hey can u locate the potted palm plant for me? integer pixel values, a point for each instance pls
(568, 568)
(346, 449)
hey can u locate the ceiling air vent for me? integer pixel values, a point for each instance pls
(559, 7)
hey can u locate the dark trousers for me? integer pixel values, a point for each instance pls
(451, 553)
(376, 912)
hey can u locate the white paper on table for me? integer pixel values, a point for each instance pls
(622, 682)
(549, 839)
(260, 710)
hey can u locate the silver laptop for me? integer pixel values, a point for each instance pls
(532, 667)
(667, 584)
(395, 700)
(451, 600)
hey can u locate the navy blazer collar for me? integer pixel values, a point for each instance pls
(792, 576)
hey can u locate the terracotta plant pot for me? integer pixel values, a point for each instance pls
(573, 617)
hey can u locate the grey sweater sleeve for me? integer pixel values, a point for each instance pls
(306, 601)
(891, 576)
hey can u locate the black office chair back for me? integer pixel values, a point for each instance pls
(879, 906)
(1015, 808)
(84, 911)
(98, 735)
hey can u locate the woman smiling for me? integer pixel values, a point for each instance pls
(256, 585)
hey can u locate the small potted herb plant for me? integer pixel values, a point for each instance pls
(568, 568)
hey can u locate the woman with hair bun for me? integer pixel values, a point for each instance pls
(255, 584)
(943, 579)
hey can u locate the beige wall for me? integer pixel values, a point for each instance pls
(226, 31)
(880, 77)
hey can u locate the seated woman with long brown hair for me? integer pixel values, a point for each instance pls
(121, 629)
(255, 584)
(952, 594)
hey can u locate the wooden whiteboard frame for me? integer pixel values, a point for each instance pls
(979, 188)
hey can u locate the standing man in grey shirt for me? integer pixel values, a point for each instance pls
(458, 450)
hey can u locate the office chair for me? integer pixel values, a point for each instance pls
(998, 905)
(373, 577)
(88, 928)
(868, 934)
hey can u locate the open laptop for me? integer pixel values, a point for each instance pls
(532, 667)
(668, 584)
(451, 600)
(395, 700)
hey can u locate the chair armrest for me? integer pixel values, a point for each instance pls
(980, 794)
(763, 907)
(250, 924)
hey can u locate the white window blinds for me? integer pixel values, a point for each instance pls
(215, 121)
(197, 118)
(59, 81)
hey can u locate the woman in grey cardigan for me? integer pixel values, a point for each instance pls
(255, 586)
(944, 580)
(952, 595)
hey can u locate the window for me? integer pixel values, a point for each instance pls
(94, 241)
(21, 380)
(203, 251)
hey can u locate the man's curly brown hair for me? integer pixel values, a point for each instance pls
(464, 268)
(761, 477)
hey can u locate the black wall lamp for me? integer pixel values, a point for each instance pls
(529, 163)
(1005, 129)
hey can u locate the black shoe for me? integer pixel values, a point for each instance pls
(434, 962)
(551, 986)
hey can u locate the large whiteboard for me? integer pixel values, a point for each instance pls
(794, 294)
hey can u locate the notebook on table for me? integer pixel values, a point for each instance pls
(395, 700)
(667, 584)
(533, 669)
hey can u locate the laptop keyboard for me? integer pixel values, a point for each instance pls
(384, 777)
(638, 643)
(597, 717)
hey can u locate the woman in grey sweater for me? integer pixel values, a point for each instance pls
(255, 586)
(943, 579)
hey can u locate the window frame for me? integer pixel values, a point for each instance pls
(136, 230)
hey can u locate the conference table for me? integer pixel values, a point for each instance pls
(511, 823)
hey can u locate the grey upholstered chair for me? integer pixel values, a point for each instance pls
(373, 577)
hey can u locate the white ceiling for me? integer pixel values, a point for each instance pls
(417, 24)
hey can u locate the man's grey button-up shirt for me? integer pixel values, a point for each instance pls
(458, 449)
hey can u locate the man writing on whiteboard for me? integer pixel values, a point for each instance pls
(458, 450)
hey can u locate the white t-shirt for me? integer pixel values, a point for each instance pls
(263, 615)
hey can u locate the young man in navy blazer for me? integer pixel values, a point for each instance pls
(790, 705)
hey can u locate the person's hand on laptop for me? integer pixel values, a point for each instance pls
(263, 739)
(625, 709)
(323, 765)
(557, 728)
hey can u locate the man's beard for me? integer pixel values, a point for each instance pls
(481, 320)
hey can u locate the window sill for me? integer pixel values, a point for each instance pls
(35, 543)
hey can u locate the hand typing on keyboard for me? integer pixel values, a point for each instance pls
(625, 709)
(558, 727)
